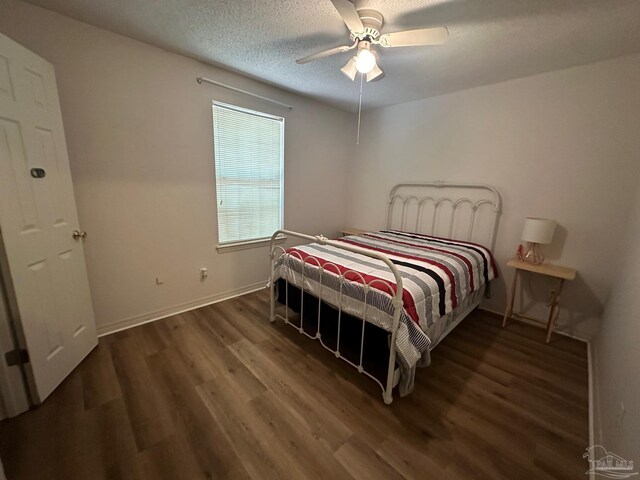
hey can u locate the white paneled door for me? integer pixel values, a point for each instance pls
(39, 221)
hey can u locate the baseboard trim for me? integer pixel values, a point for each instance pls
(592, 418)
(141, 319)
(590, 370)
(533, 323)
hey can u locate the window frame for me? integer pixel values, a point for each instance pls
(242, 244)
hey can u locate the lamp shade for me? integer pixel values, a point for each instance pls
(350, 69)
(538, 230)
(375, 73)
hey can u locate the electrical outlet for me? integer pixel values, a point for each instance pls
(620, 415)
(204, 273)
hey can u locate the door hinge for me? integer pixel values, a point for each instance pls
(16, 357)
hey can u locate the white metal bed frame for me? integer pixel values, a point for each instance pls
(403, 195)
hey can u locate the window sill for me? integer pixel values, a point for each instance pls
(262, 242)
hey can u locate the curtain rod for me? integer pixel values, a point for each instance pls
(255, 95)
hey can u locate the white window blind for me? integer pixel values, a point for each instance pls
(249, 161)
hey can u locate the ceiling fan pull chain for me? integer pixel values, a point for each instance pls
(359, 109)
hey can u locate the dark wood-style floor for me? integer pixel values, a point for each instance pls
(221, 393)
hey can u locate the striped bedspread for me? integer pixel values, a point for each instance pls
(437, 274)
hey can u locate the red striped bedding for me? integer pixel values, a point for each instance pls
(437, 275)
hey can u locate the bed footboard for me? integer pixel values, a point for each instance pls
(276, 252)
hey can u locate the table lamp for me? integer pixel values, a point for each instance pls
(536, 231)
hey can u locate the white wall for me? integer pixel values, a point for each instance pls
(562, 145)
(138, 128)
(617, 356)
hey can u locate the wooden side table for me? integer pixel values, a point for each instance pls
(556, 271)
(351, 231)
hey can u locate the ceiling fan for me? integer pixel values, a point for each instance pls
(365, 25)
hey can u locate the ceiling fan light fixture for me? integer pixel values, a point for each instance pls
(374, 73)
(350, 69)
(365, 61)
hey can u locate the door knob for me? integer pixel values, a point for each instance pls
(77, 235)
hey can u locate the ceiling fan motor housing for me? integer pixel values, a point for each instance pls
(372, 21)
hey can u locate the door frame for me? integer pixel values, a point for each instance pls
(16, 390)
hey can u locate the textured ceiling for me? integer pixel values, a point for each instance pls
(490, 40)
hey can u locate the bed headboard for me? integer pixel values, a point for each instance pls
(460, 211)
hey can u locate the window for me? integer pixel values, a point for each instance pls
(249, 160)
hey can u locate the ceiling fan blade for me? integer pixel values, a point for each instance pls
(348, 12)
(375, 74)
(326, 53)
(411, 38)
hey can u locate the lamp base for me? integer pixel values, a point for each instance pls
(533, 253)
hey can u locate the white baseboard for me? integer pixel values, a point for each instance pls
(143, 318)
(592, 418)
(535, 323)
